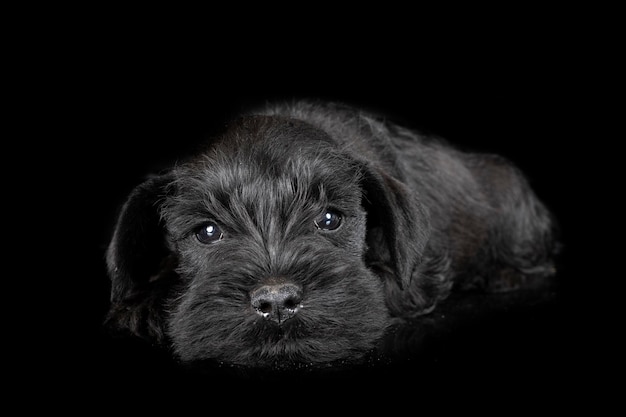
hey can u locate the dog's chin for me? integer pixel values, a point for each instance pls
(281, 350)
(294, 344)
(285, 363)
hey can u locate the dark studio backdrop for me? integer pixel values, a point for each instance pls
(141, 109)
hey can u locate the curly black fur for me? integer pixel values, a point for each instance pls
(417, 219)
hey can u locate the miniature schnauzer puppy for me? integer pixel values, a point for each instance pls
(303, 230)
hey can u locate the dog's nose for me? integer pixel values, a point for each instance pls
(277, 302)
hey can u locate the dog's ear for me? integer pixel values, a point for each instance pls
(140, 265)
(398, 226)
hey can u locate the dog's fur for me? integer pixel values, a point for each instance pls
(417, 219)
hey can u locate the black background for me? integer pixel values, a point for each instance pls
(120, 107)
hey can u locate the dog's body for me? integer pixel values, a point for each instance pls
(303, 230)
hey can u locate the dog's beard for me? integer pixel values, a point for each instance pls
(342, 311)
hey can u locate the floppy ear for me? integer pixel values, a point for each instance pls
(140, 265)
(397, 224)
(399, 245)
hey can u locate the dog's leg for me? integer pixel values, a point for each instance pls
(521, 242)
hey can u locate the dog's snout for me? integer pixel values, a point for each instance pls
(277, 302)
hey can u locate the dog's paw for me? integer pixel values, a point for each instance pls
(510, 279)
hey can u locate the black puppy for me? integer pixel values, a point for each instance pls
(303, 230)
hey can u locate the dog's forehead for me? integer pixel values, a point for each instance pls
(265, 155)
(274, 139)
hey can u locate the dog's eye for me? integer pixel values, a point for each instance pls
(209, 233)
(330, 220)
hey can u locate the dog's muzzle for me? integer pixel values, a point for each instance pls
(277, 302)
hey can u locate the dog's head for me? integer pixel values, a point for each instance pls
(277, 244)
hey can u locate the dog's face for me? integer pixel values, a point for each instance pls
(266, 249)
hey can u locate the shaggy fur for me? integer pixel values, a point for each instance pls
(303, 230)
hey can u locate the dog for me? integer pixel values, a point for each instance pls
(303, 230)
